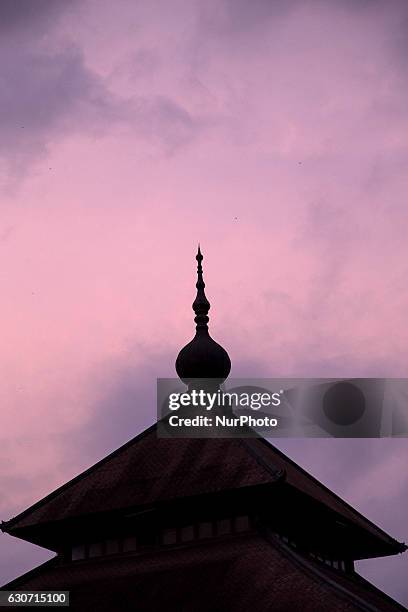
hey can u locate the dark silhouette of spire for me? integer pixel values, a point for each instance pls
(202, 357)
(201, 305)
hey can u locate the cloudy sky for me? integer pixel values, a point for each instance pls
(275, 133)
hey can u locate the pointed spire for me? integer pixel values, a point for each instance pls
(202, 357)
(201, 305)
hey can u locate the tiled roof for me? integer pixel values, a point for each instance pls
(148, 469)
(236, 574)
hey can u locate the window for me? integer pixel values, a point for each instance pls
(150, 537)
(112, 546)
(95, 549)
(335, 563)
(169, 537)
(241, 523)
(205, 530)
(187, 533)
(129, 543)
(224, 526)
(78, 552)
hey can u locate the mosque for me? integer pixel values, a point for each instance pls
(204, 524)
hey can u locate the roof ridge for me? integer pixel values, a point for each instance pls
(277, 473)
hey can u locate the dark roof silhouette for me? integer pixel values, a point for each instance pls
(238, 574)
(148, 470)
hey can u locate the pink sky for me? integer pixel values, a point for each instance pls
(275, 133)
